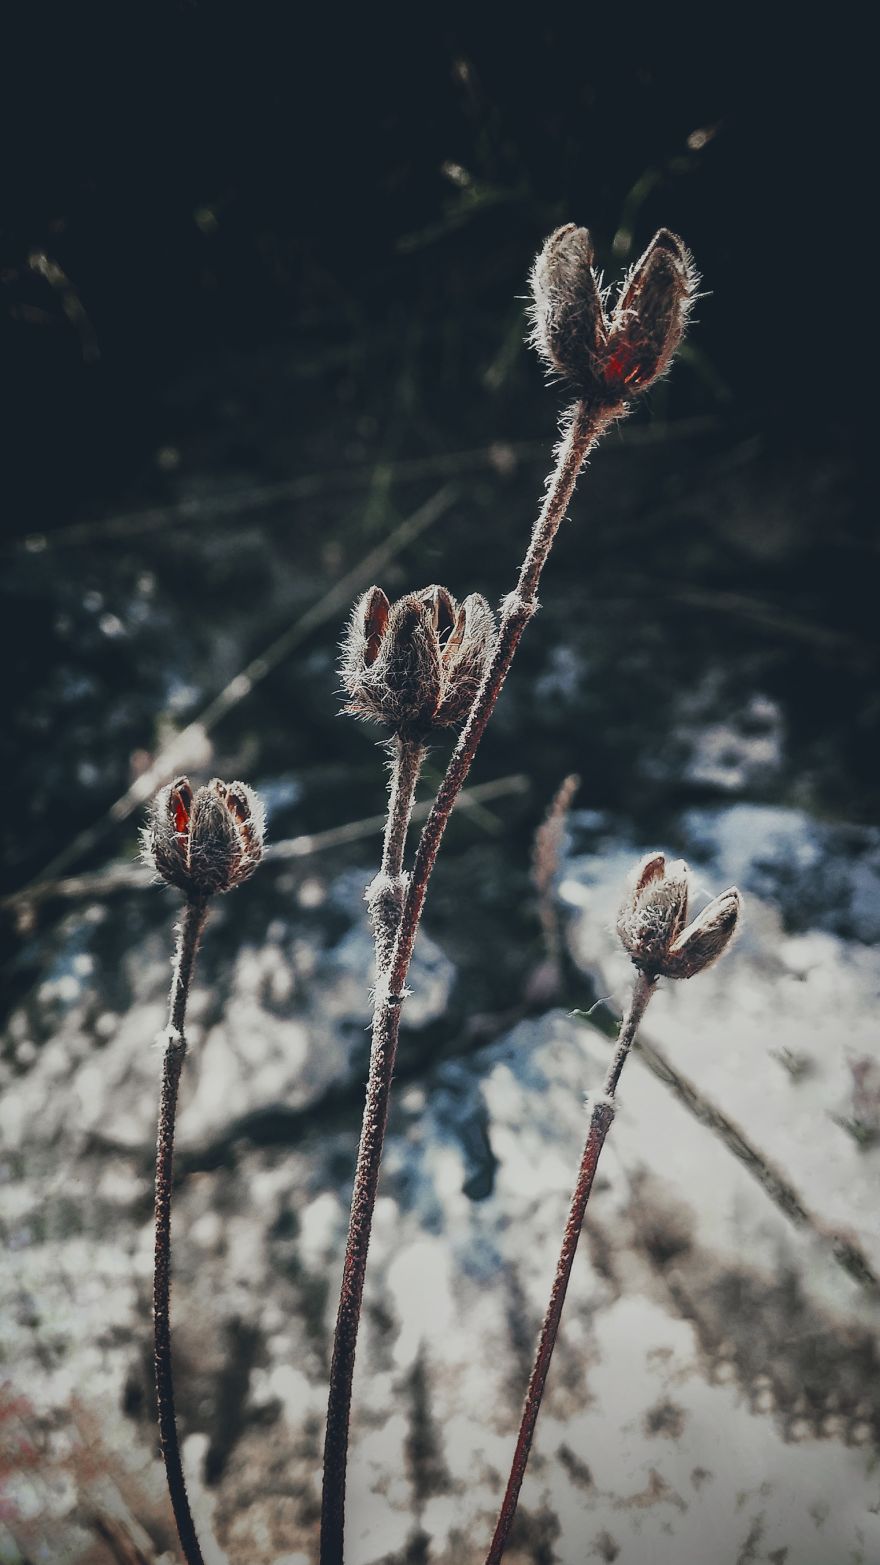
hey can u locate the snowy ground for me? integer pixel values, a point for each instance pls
(715, 1393)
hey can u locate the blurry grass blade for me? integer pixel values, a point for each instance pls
(173, 757)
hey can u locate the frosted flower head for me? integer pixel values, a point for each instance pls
(652, 922)
(609, 357)
(206, 840)
(416, 664)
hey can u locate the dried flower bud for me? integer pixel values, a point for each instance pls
(206, 841)
(610, 361)
(416, 664)
(652, 919)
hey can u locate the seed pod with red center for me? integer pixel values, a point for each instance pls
(204, 841)
(415, 664)
(652, 922)
(609, 361)
(648, 321)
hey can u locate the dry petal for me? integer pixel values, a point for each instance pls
(610, 361)
(704, 940)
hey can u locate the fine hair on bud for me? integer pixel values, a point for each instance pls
(416, 664)
(609, 358)
(568, 328)
(652, 921)
(207, 840)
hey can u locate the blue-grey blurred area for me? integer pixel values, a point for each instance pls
(261, 344)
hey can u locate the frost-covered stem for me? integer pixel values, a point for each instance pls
(643, 988)
(600, 1123)
(583, 430)
(386, 893)
(385, 897)
(188, 934)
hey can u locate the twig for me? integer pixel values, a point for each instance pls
(129, 877)
(844, 1248)
(600, 1122)
(190, 929)
(545, 867)
(235, 503)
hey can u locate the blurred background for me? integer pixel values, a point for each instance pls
(261, 344)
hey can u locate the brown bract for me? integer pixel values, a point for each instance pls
(204, 841)
(416, 664)
(652, 922)
(610, 356)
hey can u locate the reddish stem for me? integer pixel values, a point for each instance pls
(600, 1123)
(191, 927)
(584, 429)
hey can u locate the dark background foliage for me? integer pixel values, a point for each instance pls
(278, 244)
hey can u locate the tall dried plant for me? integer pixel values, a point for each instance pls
(423, 662)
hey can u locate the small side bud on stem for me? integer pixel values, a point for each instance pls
(652, 922)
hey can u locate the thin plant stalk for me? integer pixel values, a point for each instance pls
(386, 901)
(387, 893)
(584, 428)
(600, 1123)
(189, 932)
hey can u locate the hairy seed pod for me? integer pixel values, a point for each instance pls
(652, 922)
(609, 361)
(204, 841)
(651, 313)
(704, 940)
(416, 664)
(464, 658)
